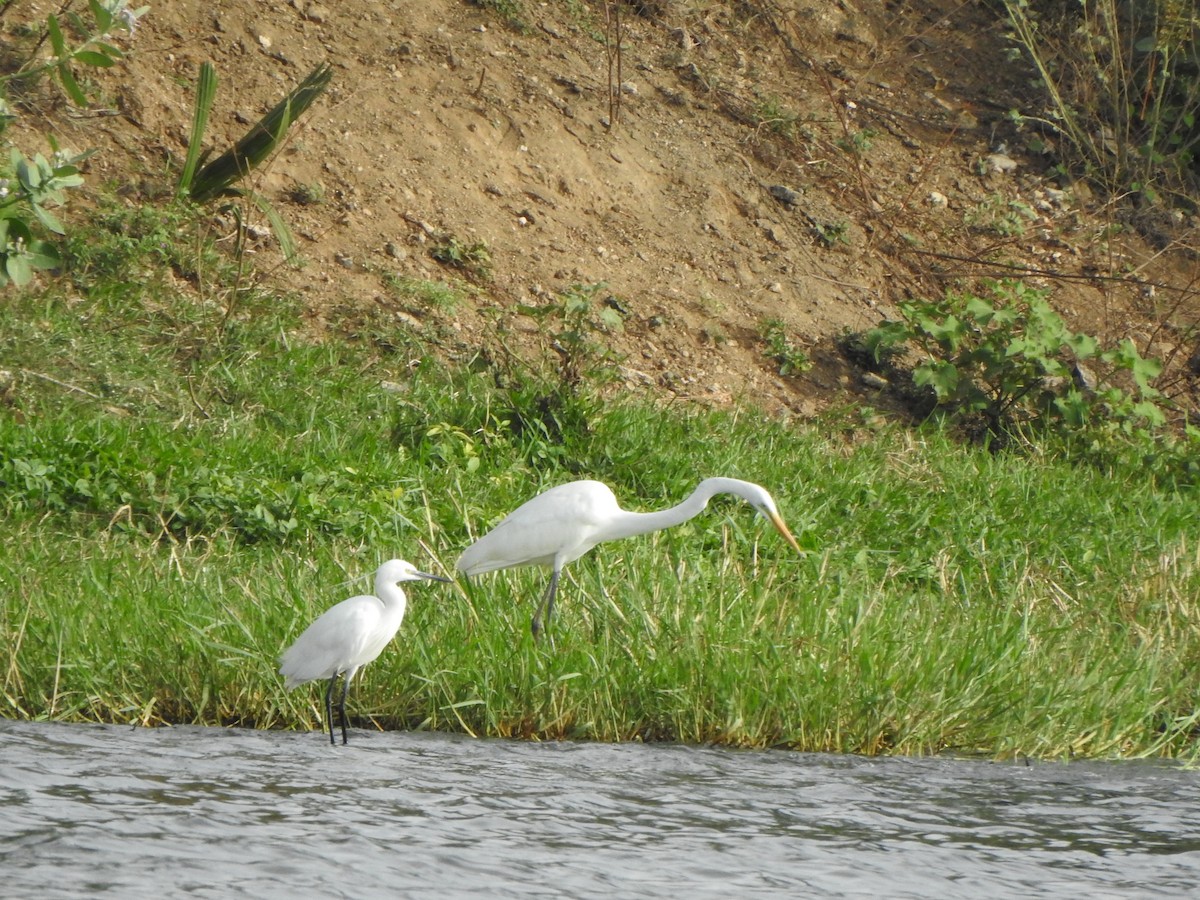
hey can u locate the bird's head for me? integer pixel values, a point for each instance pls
(758, 497)
(394, 571)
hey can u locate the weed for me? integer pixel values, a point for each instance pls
(790, 359)
(859, 142)
(29, 187)
(510, 12)
(576, 328)
(832, 234)
(218, 180)
(307, 194)
(1000, 216)
(1122, 86)
(473, 258)
(770, 113)
(435, 296)
(1010, 360)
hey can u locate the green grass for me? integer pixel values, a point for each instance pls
(183, 492)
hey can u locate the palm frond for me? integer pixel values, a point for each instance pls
(217, 178)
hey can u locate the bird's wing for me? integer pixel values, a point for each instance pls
(558, 523)
(335, 642)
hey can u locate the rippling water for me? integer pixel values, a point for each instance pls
(95, 810)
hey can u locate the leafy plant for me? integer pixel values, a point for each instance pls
(217, 180)
(33, 185)
(575, 326)
(858, 142)
(790, 359)
(833, 233)
(1001, 216)
(423, 294)
(30, 186)
(772, 114)
(95, 48)
(1122, 87)
(473, 258)
(1009, 359)
(311, 194)
(511, 12)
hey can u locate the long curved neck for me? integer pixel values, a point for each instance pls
(392, 597)
(629, 524)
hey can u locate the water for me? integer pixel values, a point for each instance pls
(127, 812)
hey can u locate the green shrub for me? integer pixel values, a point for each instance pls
(1010, 361)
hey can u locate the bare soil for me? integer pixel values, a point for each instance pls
(802, 164)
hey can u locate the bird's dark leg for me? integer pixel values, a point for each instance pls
(329, 705)
(342, 707)
(546, 606)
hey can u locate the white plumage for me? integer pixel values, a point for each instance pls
(562, 524)
(349, 635)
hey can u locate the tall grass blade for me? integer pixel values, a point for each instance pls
(283, 234)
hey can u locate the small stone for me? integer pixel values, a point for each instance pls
(938, 199)
(315, 12)
(1084, 378)
(1000, 163)
(784, 194)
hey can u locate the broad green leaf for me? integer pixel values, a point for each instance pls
(1082, 345)
(949, 332)
(28, 175)
(939, 375)
(18, 269)
(980, 310)
(611, 319)
(48, 219)
(43, 255)
(57, 44)
(1150, 411)
(78, 97)
(61, 182)
(94, 58)
(104, 18)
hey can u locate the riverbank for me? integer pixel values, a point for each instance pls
(180, 503)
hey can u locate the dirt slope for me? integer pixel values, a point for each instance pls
(793, 164)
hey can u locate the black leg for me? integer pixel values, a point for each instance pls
(342, 707)
(546, 606)
(329, 706)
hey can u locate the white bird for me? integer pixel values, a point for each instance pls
(349, 635)
(565, 522)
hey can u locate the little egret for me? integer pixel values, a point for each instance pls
(562, 524)
(349, 635)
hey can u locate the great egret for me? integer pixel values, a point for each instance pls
(562, 524)
(349, 635)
